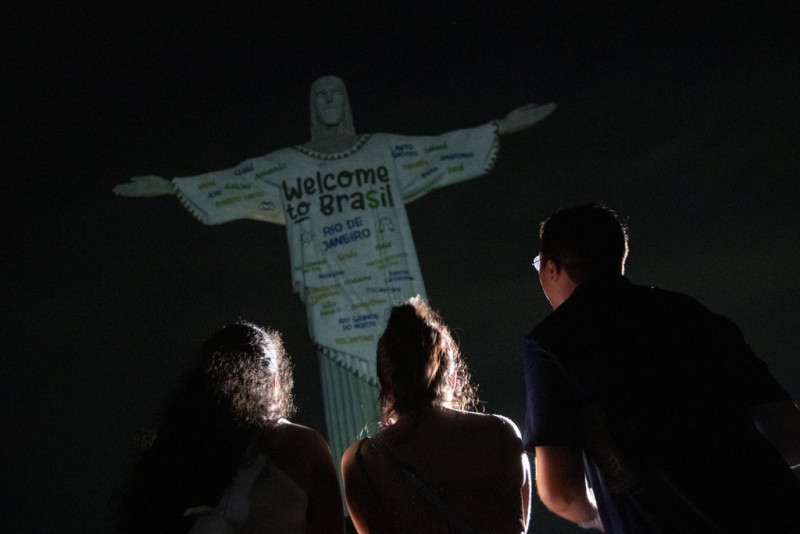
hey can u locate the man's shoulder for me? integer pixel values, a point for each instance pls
(669, 305)
(559, 323)
(595, 299)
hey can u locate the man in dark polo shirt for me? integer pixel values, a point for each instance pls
(650, 397)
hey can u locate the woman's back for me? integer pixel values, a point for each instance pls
(284, 483)
(474, 461)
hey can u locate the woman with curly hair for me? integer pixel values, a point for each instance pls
(224, 458)
(435, 466)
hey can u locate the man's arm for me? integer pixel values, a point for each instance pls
(523, 117)
(779, 423)
(561, 484)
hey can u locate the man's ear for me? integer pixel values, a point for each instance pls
(553, 271)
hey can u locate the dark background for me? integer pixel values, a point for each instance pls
(681, 117)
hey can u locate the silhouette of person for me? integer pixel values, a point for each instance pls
(654, 399)
(435, 466)
(224, 458)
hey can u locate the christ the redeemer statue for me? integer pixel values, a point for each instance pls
(342, 198)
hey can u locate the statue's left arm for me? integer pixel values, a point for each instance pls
(428, 163)
(523, 117)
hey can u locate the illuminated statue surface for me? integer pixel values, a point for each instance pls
(342, 198)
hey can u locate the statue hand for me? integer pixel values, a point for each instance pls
(144, 186)
(524, 117)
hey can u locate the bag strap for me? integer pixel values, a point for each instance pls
(428, 492)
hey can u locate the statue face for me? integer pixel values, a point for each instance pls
(329, 102)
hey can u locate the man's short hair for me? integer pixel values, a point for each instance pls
(587, 241)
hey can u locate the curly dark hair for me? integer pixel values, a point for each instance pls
(241, 385)
(419, 363)
(245, 368)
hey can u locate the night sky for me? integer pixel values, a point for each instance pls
(684, 119)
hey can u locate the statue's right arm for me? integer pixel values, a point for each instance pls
(205, 204)
(145, 186)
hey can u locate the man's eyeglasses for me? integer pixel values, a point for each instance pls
(537, 262)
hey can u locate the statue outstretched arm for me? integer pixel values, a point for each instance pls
(145, 186)
(219, 196)
(524, 117)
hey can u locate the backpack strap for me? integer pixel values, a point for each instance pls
(428, 492)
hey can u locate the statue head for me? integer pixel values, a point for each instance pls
(331, 115)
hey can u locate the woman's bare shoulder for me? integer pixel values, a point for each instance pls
(301, 452)
(508, 424)
(293, 434)
(490, 421)
(357, 447)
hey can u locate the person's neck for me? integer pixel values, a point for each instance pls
(332, 145)
(414, 416)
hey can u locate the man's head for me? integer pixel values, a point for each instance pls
(330, 109)
(584, 242)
